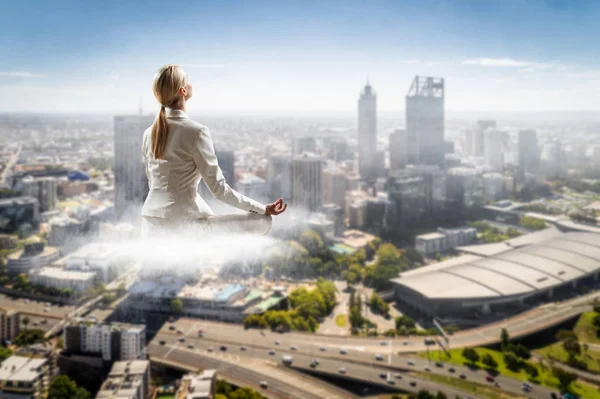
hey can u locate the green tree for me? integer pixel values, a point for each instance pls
(406, 322)
(572, 346)
(311, 240)
(63, 388)
(389, 263)
(29, 337)
(25, 321)
(378, 305)
(563, 335)
(22, 281)
(489, 361)
(176, 305)
(512, 362)
(565, 378)
(5, 353)
(532, 223)
(470, 355)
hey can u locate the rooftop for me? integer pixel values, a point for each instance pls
(530, 263)
(24, 369)
(62, 274)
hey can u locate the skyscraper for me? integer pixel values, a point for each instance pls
(334, 187)
(306, 181)
(425, 121)
(279, 176)
(131, 184)
(529, 153)
(367, 133)
(398, 154)
(494, 148)
(44, 189)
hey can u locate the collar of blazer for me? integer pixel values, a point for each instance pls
(176, 113)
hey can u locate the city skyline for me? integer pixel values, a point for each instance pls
(286, 58)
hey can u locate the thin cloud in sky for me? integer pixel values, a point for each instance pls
(507, 63)
(216, 65)
(22, 74)
(114, 77)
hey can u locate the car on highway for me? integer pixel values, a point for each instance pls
(181, 339)
(404, 342)
(210, 349)
(161, 342)
(413, 383)
(426, 368)
(342, 370)
(277, 342)
(527, 387)
(383, 343)
(383, 375)
(179, 332)
(48, 304)
(316, 362)
(272, 352)
(190, 346)
(293, 347)
(223, 348)
(286, 359)
(463, 376)
(439, 364)
(378, 357)
(43, 321)
(451, 370)
(343, 351)
(391, 382)
(490, 378)
(322, 349)
(171, 327)
(398, 376)
(243, 348)
(411, 362)
(46, 310)
(263, 384)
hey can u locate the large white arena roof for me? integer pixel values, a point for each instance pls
(523, 266)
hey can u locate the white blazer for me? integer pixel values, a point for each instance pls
(173, 181)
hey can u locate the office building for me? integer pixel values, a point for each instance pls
(253, 186)
(110, 341)
(475, 142)
(398, 154)
(43, 189)
(33, 255)
(425, 121)
(444, 240)
(17, 212)
(10, 324)
(106, 260)
(338, 150)
(494, 149)
(367, 134)
(464, 188)
(127, 380)
(131, 183)
(279, 176)
(303, 144)
(529, 153)
(335, 213)
(493, 186)
(306, 181)
(198, 386)
(24, 378)
(554, 160)
(334, 187)
(59, 278)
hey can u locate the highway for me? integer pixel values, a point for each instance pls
(9, 165)
(257, 358)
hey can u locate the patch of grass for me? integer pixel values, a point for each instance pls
(545, 378)
(558, 353)
(585, 330)
(482, 391)
(340, 320)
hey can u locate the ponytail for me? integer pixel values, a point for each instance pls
(160, 132)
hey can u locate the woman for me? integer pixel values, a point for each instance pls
(177, 154)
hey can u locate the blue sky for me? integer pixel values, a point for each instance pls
(304, 56)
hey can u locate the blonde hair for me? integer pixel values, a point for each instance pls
(167, 82)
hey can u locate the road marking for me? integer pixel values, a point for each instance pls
(171, 350)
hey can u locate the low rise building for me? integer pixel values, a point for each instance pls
(24, 378)
(444, 240)
(104, 259)
(33, 255)
(198, 386)
(59, 278)
(127, 380)
(116, 341)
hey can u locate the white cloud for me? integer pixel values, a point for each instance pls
(204, 65)
(114, 77)
(22, 74)
(508, 63)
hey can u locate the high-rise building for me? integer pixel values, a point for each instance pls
(112, 341)
(367, 133)
(44, 189)
(131, 184)
(398, 155)
(494, 148)
(127, 380)
(306, 181)
(17, 212)
(493, 186)
(529, 153)
(253, 186)
(10, 324)
(303, 144)
(334, 187)
(425, 121)
(279, 176)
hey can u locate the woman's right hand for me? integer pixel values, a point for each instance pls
(276, 208)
